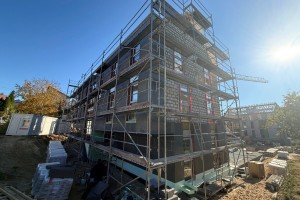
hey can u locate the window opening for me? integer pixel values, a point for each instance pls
(178, 61)
(133, 90)
(135, 55)
(184, 99)
(131, 117)
(26, 123)
(111, 98)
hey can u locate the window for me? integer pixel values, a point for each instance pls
(130, 117)
(108, 119)
(94, 85)
(26, 123)
(135, 54)
(100, 96)
(187, 170)
(252, 124)
(178, 61)
(185, 100)
(262, 124)
(186, 145)
(133, 90)
(186, 131)
(244, 124)
(207, 79)
(245, 133)
(264, 133)
(114, 69)
(253, 133)
(209, 104)
(111, 98)
(89, 127)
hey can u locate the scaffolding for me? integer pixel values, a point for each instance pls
(154, 103)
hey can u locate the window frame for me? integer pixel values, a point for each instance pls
(130, 117)
(114, 69)
(133, 91)
(136, 53)
(209, 103)
(207, 77)
(111, 98)
(108, 119)
(26, 123)
(178, 61)
(186, 102)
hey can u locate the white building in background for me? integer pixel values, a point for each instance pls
(254, 120)
(30, 124)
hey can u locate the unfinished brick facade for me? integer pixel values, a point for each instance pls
(161, 83)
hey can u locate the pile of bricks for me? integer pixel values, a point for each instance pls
(54, 179)
(56, 153)
(271, 152)
(278, 167)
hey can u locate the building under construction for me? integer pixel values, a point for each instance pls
(153, 104)
(254, 123)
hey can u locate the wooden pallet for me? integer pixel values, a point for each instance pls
(11, 193)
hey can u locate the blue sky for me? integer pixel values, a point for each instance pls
(59, 40)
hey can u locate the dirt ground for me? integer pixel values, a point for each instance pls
(248, 188)
(19, 157)
(254, 188)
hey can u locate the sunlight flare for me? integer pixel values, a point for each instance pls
(284, 53)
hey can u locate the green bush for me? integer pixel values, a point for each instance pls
(4, 127)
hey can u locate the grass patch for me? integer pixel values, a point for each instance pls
(291, 184)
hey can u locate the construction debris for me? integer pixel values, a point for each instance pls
(274, 182)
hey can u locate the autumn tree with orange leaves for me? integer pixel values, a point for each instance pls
(41, 97)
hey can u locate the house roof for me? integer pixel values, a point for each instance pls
(2, 96)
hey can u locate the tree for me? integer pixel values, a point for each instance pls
(40, 97)
(10, 104)
(287, 117)
(2, 106)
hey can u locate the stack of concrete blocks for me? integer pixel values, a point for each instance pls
(256, 169)
(56, 153)
(288, 149)
(278, 167)
(45, 186)
(40, 174)
(271, 152)
(283, 155)
(54, 189)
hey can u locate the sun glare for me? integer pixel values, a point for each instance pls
(284, 53)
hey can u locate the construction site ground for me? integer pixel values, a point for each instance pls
(19, 157)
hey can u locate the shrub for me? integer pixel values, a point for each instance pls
(4, 127)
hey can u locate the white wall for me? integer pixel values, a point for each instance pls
(48, 125)
(19, 124)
